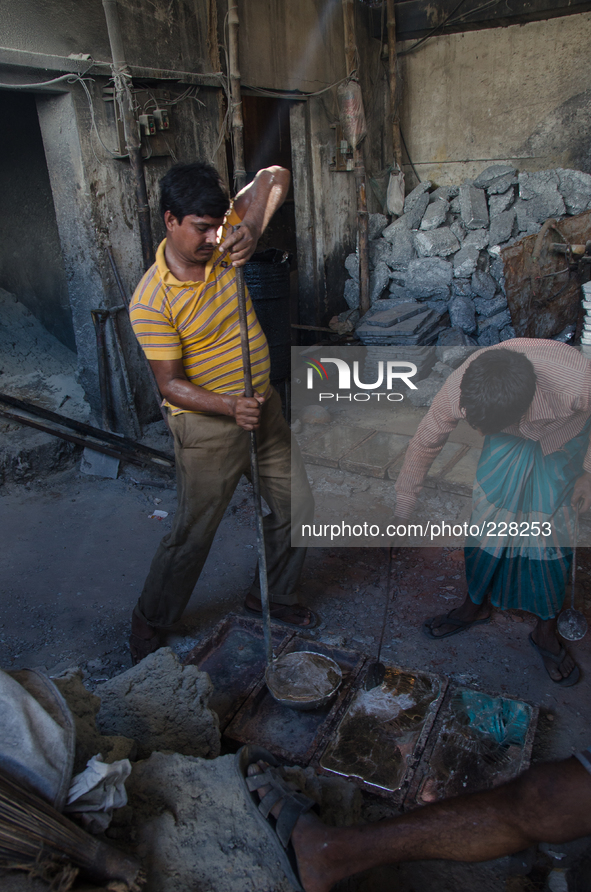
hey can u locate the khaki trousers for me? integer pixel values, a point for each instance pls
(212, 453)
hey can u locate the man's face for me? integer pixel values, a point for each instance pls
(195, 238)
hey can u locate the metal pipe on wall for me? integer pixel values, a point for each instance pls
(235, 97)
(122, 81)
(351, 57)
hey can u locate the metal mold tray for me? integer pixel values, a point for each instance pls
(478, 741)
(291, 735)
(234, 658)
(381, 737)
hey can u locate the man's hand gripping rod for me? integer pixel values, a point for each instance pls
(254, 467)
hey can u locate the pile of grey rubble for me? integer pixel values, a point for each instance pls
(445, 249)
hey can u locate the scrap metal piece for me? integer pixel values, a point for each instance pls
(542, 292)
(384, 730)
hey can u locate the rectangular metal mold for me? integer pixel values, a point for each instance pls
(234, 658)
(380, 739)
(460, 758)
(293, 735)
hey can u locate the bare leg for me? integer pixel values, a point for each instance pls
(545, 635)
(549, 803)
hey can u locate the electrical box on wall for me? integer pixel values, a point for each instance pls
(162, 119)
(154, 120)
(147, 125)
(343, 152)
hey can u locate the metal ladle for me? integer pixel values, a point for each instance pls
(278, 668)
(572, 625)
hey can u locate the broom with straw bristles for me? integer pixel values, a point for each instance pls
(37, 838)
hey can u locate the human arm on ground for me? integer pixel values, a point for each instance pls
(255, 205)
(176, 388)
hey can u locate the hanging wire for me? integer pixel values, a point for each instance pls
(413, 168)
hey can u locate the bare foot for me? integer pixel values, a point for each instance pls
(469, 612)
(321, 859)
(294, 614)
(544, 635)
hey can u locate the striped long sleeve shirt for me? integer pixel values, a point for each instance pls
(198, 321)
(559, 410)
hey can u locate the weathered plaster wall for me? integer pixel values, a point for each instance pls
(291, 45)
(520, 94)
(156, 34)
(31, 265)
(95, 208)
(92, 191)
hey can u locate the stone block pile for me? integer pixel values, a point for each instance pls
(444, 252)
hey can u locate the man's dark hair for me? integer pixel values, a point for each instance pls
(497, 389)
(193, 189)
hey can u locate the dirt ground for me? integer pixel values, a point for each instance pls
(76, 550)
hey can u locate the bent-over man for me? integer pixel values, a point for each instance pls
(532, 401)
(185, 315)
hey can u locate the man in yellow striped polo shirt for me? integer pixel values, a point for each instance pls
(185, 315)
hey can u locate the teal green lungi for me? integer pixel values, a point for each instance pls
(516, 483)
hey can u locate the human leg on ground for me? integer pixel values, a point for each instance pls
(458, 619)
(549, 803)
(211, 455)
(545, 638)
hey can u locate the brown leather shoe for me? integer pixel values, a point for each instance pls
(144, 639)
(142, 647)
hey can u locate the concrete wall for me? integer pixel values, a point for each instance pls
(95, 208)
(31, 265)
(159, 35)
(520, 94)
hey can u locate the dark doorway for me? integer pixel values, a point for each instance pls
(31, 265)
(267, 141)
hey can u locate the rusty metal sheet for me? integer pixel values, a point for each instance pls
(543, 296)
(234, 658)
(291, 735)
(478, 741)
(381, 737)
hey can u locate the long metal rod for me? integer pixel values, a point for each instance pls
(129, 395)
(42, 62)
(254, 469)
(99, 318)
(113, 440)
(387, 604)
(148, 367)
(98, 445)
(122, 81)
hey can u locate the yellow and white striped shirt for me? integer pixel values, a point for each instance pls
(198, 321)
